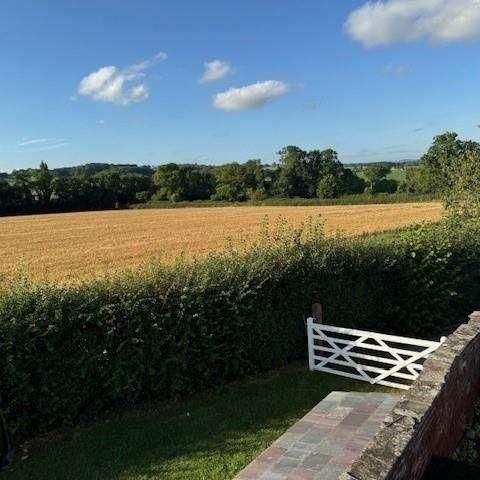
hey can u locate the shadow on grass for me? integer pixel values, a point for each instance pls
(210, 437)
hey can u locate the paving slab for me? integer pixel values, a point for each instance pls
(326, 441)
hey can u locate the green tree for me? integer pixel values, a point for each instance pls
(374, 175)
(463, 196)
(119, 187)
(291, 179)
(253, 174)
(439, 161)
(199, 183)
(327, 186)
(23, 182)
(438, 167)
(320, 164)
(177, 182)
(11, 198)
(230, 183)
(418, 180)
(42, 184)
(351, 183)
(306, 174)
(69, 192)
(170, 182)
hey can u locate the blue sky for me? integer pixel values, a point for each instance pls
(121, 81)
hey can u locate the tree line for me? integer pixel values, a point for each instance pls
(451, 167)
(41, 190)
(298, 173)
(438, 167)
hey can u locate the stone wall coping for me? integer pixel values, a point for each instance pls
(405, 423)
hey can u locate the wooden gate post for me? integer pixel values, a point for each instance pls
(317, 317)
(317, 312)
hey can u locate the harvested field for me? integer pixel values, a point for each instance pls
(70, 246)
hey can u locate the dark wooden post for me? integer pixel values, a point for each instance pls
(317, 312)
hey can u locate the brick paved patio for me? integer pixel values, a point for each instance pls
(324, 443)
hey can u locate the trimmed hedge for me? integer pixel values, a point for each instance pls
(70, 351)
(352, 199)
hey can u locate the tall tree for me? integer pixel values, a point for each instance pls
(463, 195)
(22, 180)
(291, 179)
(42, 184)
(322, 168)
(121, 187)
(200, 183)
(351, 183)
(170, 182)
(313, 173)
(230, 183)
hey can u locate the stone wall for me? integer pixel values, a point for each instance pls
(429, 420)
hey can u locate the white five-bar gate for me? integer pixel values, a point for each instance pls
(372, 357)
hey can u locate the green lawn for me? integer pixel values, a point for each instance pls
(209, 437)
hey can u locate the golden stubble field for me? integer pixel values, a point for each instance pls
(72, 246)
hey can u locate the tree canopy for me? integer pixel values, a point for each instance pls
(449, 167)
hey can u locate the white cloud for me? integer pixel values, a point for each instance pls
(160, 57)
(397, 70)
(109, 84)
(40, 144)
(389, 21)
(25, 142)
(250, 96)
(215, 70)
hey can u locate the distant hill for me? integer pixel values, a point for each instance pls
(399, 164)
(93, 168)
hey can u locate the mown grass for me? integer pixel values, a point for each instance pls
(212, 436)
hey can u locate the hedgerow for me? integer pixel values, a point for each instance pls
(351, 199)
(70, 351)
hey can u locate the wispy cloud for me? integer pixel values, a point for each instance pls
(251, 96)
(122, 87)
(34, 141)
(390, 21)
(52, 147)
(40, 144)
(397, 70)
(215, 70)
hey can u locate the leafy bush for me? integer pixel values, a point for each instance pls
(70, 351)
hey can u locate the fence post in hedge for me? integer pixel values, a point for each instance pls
(316, 317)
(317, 312)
